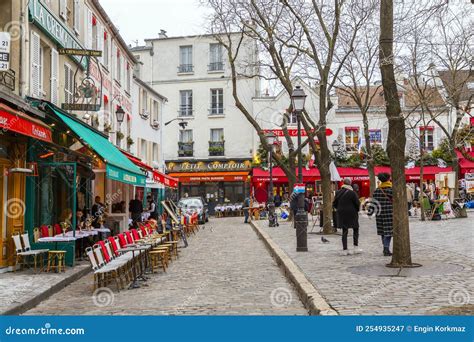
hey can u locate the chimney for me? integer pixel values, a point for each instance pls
(162, 34)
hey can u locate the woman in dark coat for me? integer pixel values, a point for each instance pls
(382, 206)
(347, 204)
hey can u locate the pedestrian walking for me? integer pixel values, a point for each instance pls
(382, 207)
(410, 198)
(347, 205)
(246, 209)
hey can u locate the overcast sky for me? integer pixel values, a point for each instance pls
(140, 19)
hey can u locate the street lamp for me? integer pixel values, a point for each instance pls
(335, 146)
(272, 218)
(120, 114)
(298, 98)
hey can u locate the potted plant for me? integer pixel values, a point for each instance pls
(130, 141)
(107, 128)
(120, 135)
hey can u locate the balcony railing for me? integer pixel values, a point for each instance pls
(216, 66)
(216, 148)
(185, 149)
(216, 110)
(7, 79)
(185, 111)
(185, 68)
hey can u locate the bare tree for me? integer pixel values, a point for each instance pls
(396, 138)
(357, 80)
(330, 29)
(440, 58)
(257, 23)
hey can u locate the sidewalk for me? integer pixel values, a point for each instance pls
(22, 290)
(362, 285)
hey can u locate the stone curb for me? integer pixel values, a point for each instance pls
(32, 302)
(311, 298)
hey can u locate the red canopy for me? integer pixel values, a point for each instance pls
(465, 165)
(357, 174)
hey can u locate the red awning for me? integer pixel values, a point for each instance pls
(165, 179)
(426, 128)
(356, 174)
(18, 122)
(193, 177)
(465, 165)
(138, 161)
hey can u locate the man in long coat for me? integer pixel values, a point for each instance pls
(347, 204)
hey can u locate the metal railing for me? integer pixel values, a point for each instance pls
(185, 149)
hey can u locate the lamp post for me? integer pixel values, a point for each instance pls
(298, 98)
(272, 219)
(120, 114)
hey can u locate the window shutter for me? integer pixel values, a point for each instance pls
(35, 65)
(100, 41)
(63, 8)
(88, 28)
(54, 76)
(77, 15)
(438, 136)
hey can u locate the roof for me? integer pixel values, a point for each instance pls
(114, 29)
(456, 83)
(204, 35)
(150, 89)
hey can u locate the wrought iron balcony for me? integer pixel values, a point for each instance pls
(186, 149)
(216, 66)
(185, 68)
(216, 148)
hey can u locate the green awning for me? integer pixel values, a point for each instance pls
(119, 167)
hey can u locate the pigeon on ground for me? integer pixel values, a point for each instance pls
(324, 240)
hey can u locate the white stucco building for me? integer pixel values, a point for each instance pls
(208, 142)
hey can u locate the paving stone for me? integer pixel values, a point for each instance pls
(226, 270)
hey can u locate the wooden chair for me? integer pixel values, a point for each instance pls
(157, 258)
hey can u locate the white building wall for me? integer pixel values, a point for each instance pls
(161, 71)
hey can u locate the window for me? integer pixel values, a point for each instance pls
(216, 144)
(292, 119)
(186, 103)
(217, 135)
(118, 71)
(105, 54)
(155, 154)
(375, 136)
(88, 28)
(68, 84)
(129, 79)
(217, 101)
(36, 65)
(143, 149)
(77, 16)
(155, 112)
(186, 136)
(427, 138)
(185, 59)
(215, 58)
(352, 138)
(95, 35)
(144, 103)
(54, 76)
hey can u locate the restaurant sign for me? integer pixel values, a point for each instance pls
(47, 21)
(209, 166)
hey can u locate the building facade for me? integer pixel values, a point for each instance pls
(209, 143)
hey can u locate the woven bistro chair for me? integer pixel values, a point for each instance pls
(23, 252)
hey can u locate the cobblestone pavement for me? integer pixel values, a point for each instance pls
(22, 286)
(444, 247)
(226, 270)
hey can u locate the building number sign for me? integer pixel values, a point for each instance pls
(4, 51)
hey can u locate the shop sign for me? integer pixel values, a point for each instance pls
(123, 176)
(205, 166)
(299, 189)
(4, 51)
(293, 132)
(14, 123)
(80, 52)
(42, 17)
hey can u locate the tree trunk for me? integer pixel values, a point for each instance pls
(370, 157)
(396, 139)
(455, 164)
(421, 195)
